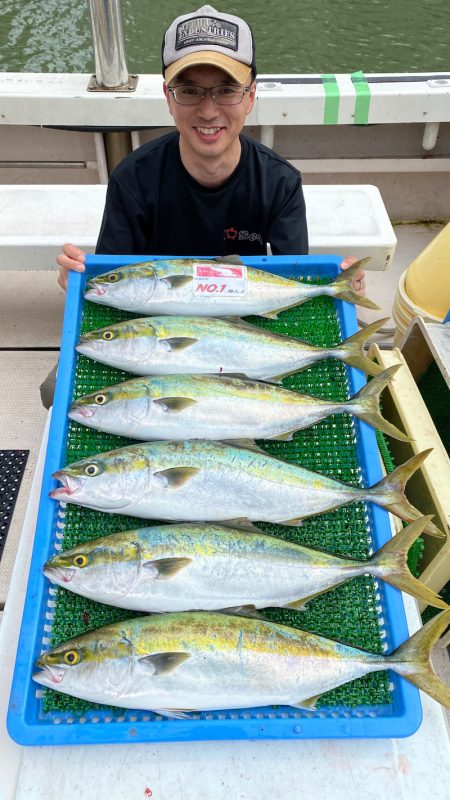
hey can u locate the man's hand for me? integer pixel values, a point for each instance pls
(358, 284)
(70, 258)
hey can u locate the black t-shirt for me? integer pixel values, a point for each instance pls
(154, 207)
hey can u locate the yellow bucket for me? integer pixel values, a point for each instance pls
(403, 311)
(428, 277)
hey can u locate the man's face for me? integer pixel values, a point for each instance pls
(209, 130)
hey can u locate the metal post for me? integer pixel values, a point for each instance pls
(111, 73)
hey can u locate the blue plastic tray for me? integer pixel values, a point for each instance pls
(27, 722)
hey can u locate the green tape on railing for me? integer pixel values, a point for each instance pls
(362, 101)
(331, 107)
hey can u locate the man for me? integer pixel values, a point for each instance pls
(206, 189)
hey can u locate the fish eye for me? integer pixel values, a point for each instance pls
(100, 399)
(108, 335)
(81, 560)
(71, 657)
(92, 469)
(113, 278)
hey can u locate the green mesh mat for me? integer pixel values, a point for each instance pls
(349, 613)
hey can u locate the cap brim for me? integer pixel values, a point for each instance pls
(235, 69)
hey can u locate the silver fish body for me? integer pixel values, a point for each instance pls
(196, 345)
(179, 407)
(188, 567)
(170, 286)
(172, 663)
(210, 567)
(212, 481)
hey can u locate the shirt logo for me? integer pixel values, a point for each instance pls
(242, 236)
(207, 31)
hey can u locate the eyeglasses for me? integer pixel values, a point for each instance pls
(223, 95)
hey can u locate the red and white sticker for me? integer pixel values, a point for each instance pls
(221, 281)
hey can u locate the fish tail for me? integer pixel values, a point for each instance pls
(365, 404)
(389, 493)
(391, 564)
(351, 351)
(341, 287)
(412, 659)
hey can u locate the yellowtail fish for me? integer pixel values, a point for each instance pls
(205, 661)
(202, 345)
(219, 287)
(203, 407)
(212, 567)
(210, 481)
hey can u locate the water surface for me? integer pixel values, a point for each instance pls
(292, 36)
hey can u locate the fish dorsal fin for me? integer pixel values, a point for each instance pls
(163, 663)
(177, 281)
(244, 444)
(240, 524)
(249, 611)
(167, 567)
(270, 314)
(172, 405)
(175, 477)
(277, 379)
(241, 323)
(234, 259)
(298, 605)
(240, 375)
(178, 342)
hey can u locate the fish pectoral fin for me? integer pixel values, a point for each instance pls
(174, 404)
(310, 703)
(296, 521)
(175, 713)
(177, 281)
(283, 437)
(179, 342)
(176, 477)
(167, 567)
(163, 663)
(234, 259)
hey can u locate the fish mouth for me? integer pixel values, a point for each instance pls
(58, 574)
(83, 343)
(76, 411)
(94, 290)
(48, 676)
(70, 485)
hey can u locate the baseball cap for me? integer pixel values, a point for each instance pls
(207, 36)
